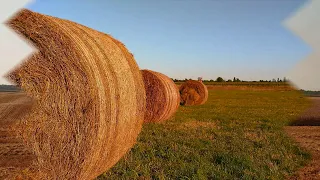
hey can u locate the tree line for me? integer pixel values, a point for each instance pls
(220, 79)
(9, 88)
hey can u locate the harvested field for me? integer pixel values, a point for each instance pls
(197, 124)
(14, 156)
(13, 106)
(305, 130)
(308, 137)
(237, 134)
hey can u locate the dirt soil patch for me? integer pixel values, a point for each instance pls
(306, 131)
(13, 154)
(309, 138)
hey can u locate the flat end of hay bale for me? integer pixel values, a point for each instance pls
(162, 96)
(193, 93)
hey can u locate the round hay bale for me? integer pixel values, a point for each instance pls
(162, 96)
(193, 93)
(89, 92)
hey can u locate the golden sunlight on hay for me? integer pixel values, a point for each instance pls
(90, 97)
(193, 93)
(162, 96)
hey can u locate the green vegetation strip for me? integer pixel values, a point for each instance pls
(252, 84)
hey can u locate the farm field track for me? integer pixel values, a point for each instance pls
(308, 137)
(306, 131)
(13, 154)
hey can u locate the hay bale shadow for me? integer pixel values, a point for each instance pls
(310, 117)
(306, 121)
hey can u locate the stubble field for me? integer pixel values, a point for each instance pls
(237, 134)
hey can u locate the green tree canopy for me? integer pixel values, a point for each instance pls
(220, 79)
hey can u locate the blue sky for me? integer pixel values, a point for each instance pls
(192, 38)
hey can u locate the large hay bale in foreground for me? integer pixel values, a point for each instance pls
(89, 92)
(193, 93)
(162, 96)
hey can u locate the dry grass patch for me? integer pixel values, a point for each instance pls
(197, 124)
(309, 138)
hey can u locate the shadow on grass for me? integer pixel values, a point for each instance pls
(310, 117)
(306, 121)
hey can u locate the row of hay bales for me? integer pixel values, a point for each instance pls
(91, 98)
(163, 97)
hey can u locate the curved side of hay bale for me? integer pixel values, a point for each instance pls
(90, 97)
(162, 96)
(193, 93)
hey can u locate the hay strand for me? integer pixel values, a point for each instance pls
(90, 97)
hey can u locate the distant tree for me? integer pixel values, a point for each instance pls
(4, 87)
(229, 80)
(220, 79)
(236, 79)
(211, 80)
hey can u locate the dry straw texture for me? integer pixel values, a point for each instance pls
(162, 96)
(90, 97)
(193, 93)
(14, 156)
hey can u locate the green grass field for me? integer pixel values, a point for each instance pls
(237, 134)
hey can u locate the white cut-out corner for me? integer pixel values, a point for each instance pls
(305, 23)
(304, 75)
(13, 47)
